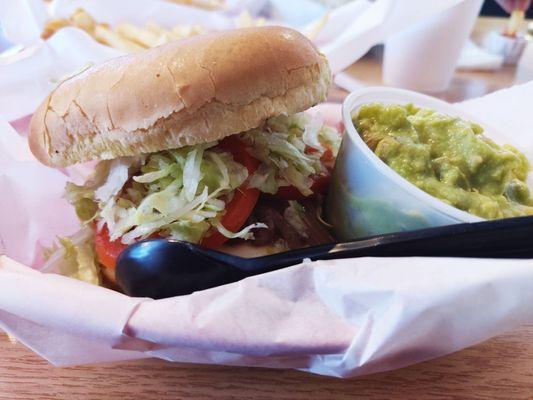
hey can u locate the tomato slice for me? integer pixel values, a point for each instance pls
(326, 157)
(320, 182)
(237, 211)
(244, 199)
(320, 186)
(237, 148)
(107, 250)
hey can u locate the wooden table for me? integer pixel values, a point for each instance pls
(464, 85)
(501, 368)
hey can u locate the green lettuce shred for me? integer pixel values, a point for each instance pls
(182, 193)
(74, 257)
(281, 145)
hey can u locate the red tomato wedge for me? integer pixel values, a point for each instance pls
(244, 199)
(320, 186)
(320, 182)
(237, 210)
(106, 250)
(326, 157)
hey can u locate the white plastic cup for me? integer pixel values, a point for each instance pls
(366, 197)
(524, 70)
(509, 48)
(424, 56)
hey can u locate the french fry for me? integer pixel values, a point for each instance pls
(185, 31)
(315, 29)
(260, 21)
(245, 20)
(156, 29)
(138, 35)
(106, 36)
(52, 26)
(81, 19)
(165, 34)
(126, 37)
(208, 4)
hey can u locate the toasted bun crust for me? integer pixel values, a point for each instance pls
(186, 92)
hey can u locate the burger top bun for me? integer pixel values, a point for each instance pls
(183, 93)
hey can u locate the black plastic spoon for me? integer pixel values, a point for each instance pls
(160, 268)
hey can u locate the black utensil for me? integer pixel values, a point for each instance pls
(161, 268)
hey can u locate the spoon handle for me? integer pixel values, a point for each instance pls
(505, 238)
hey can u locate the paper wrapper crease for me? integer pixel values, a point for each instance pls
(343, 34)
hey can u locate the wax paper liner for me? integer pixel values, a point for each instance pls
(340, 318)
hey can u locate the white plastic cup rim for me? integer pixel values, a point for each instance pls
(401, 96)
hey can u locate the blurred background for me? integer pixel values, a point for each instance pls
(491, 8)
(452, 49)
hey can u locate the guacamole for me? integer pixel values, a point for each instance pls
(448, 158)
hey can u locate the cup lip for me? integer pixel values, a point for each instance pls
(401, 96)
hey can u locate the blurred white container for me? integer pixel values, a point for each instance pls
(367, 197)
(509, 48)
(524, 70)
(424, 56)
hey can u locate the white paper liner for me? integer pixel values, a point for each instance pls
(346, 34)
(340, 318)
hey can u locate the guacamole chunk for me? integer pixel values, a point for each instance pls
(448, 158)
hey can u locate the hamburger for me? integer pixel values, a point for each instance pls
(201, 140)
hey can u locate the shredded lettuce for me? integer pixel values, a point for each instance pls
(281, 145)
(245, 233)
(294, 214)
(82, 197)
(115, 180)
(182, 193)
(179, 193)
(264, 179)
(311, 133)
(75, 257)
